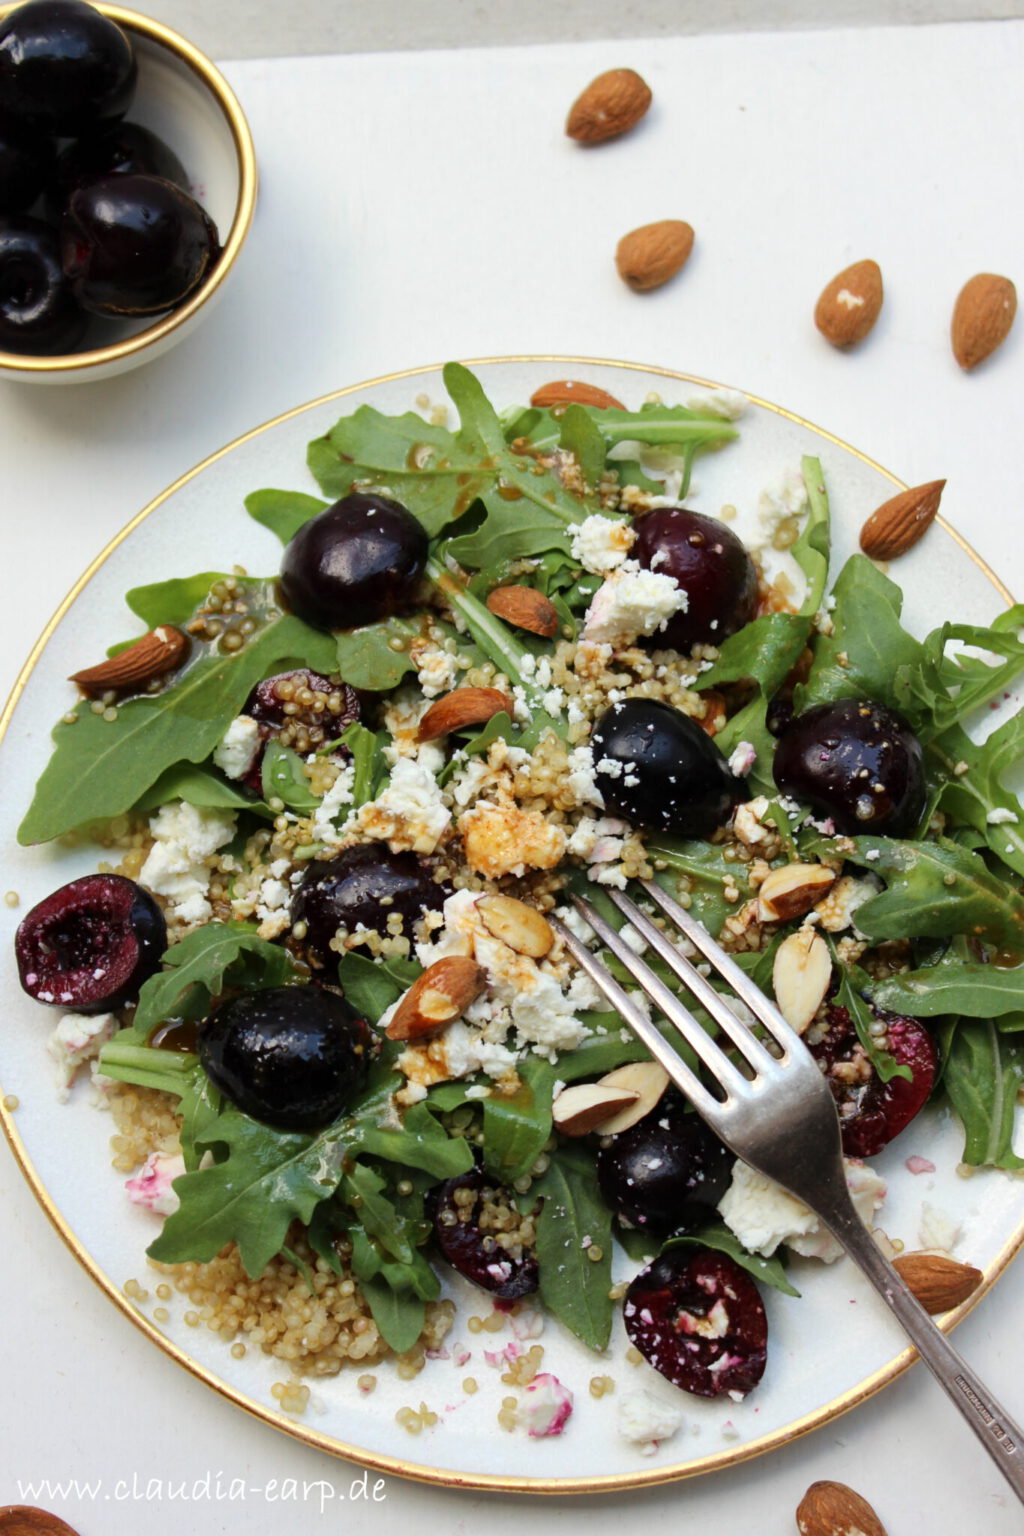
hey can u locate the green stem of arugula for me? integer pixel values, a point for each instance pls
(490, 634)
(148, 1067)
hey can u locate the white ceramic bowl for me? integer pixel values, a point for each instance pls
(184, 99)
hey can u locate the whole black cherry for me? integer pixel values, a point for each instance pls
(667, 1172)
(26, 162)
(712, 567)
(358, 561)
(38, 313)
(113, 149)
(64, 66)
(856, 762)
(363, 886)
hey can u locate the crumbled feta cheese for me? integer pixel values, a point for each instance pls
(409, 814)
(762, 1214)
(546, 1406)
(835, 911)
(236, 751)
(437, 670)
(580, 777)
(151, 1186)
(180, 862)
(505, 840)
(645, 1419)
(747, 823)
(632, 602)
(326, 828)
(937, 1230)
(597, 840)
(999, 815)
(600, 544)
(742, 759)
(76, 1040)
(729, 404)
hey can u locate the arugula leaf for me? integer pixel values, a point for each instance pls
(718, 1236)
(283, 778)
(197, 784)
(368, 762)
(174, 601)
(709, 876)
(283, 512)
(868, 645)
(851, 985)
(977, 797)
(983, 1073)
(371, 986)
(811, 550)
(764, 652)
(516, 1128)
(101, 768)
(203, 964)
(375, 657)
(581, 436)
(952, 986)
(945, 688)
(572, 1223)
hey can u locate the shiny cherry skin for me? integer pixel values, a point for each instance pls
(26, 163)
(871, 1112)
(293, 1057)
(64, 66)
(358, 561)
(91, 944)
(363, 886)
(698, 1318)
(113, 149)
(38, 313)
(712, 567)
(857, 763)
(135, 245)
(658, 769)
(667, 1172)
(472, 1251)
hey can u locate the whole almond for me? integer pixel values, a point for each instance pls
(791, 890)
(982, 317)
(801, 975)
(463, 707)
(833, 1509)
(28, 1520)
(526, 608)
(516, 924)
(938, 1282)
(584, 1106)
(610, 105)
(571, 392)
(898, 523)
(650, 255)
(141, 663)
(439, 995)
(648, 1080)
(850, 304)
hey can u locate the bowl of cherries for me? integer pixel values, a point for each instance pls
(127, 188)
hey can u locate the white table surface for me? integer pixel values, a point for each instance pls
(420, 206)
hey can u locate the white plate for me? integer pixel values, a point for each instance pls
(827, 1351)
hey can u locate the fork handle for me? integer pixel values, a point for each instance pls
(993, 1426)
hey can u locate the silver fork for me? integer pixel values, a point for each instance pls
(781, 1119)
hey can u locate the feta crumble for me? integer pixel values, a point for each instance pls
(761, 1214)
(600, 544)
(632, 602)
(179, 863)
(236, 751)
(646, 1420)
(75, 1041)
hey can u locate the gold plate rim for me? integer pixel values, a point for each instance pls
(413, 1471)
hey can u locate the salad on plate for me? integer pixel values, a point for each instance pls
(314, 979)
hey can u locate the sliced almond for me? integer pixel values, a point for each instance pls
(833, 1509)
(938, 1282)
(650, 255)
(850, 304)
(792, 890)
(801, 976)
(516, 924)
(898, 523)
(580, 1109)
(149, 658)
(647, 1079)
(463, 707)
(571, 392)
(610, 105)
(526, 608)
(982, 317)
(439, 995)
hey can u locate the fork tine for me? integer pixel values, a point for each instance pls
(742, 1037)
(697, 1038)
(760, 1006)
(646, 1031)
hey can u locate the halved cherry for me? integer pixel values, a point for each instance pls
(90, 945)
(871, 1112)
(302, 710)
(698, 1318)
(456, 1208)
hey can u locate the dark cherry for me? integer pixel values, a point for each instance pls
(291, 1057)
(114, 149)
(712, 567)
(667, 1172)
(26, 162)
(657, 768)
(135, 245)
(857, 763)
(303, 710)
(64, 66)
(38, 314)
(698, 1318)
(358, 561)
(871, 1112)
(472, 1252)
(363, 885)
(90, 945)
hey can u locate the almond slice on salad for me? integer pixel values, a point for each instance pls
(526, 608)
(801, 976)
(149, 658)
(437, 997)
(647, 1079)
(792, 890)
(571, 392)
(583, 1107)
(937, 1281)
(516, 924)
(463, 707)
